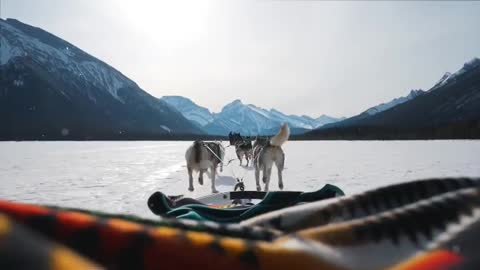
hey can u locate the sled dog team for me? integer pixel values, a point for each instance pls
(206, 157)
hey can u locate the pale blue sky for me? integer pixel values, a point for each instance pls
(302, 57)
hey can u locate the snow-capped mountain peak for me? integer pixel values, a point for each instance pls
(450, 78)
(190, 109)
(236, 104)
(325, 119)
(415, 93)
(240, 117)
(21, 40)
(60, 87)
(443, 80)
(396, 101)
(475, 62)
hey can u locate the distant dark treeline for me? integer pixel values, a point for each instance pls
(466, 130)
(114, 137)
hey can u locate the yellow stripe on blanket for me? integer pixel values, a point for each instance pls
(64, 259)
(281, 257)
(5, 225)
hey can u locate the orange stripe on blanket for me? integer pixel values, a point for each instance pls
(233, 246)
(22, 211)
(71, 222)
(124, 226)
(116, 235)
(278, 257)
(436, 260)
(164, 233)
(180, 250)
(200, 239)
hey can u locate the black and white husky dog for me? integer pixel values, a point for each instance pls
(243, 146)
(266, 153)
(201, 156)
(244, 149)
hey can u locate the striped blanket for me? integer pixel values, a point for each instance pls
(426, 224)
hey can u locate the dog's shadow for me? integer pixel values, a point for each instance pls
(249, 167)
(225, 180)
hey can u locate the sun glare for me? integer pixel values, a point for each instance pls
(179, 20)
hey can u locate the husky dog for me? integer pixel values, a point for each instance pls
(267, 152)
(234, 138)
(202, 156)
(244, 148)
(222, 151)
(260, 141)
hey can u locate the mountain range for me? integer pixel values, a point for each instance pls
(247, 119)
(450, 109)
(251, 120)
(51, 89)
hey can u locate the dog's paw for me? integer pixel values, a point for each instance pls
(200, 181)
(280, 185)
(259, 188)
(190, 188)
(264, 179)
(214, 191)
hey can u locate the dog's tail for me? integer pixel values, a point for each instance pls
(281, 137)
(197, 151)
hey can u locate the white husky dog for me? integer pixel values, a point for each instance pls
(202, 156)
(267, 153)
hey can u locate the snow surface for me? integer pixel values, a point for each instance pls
(120, 176)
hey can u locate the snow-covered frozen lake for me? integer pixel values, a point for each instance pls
(120, 176)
